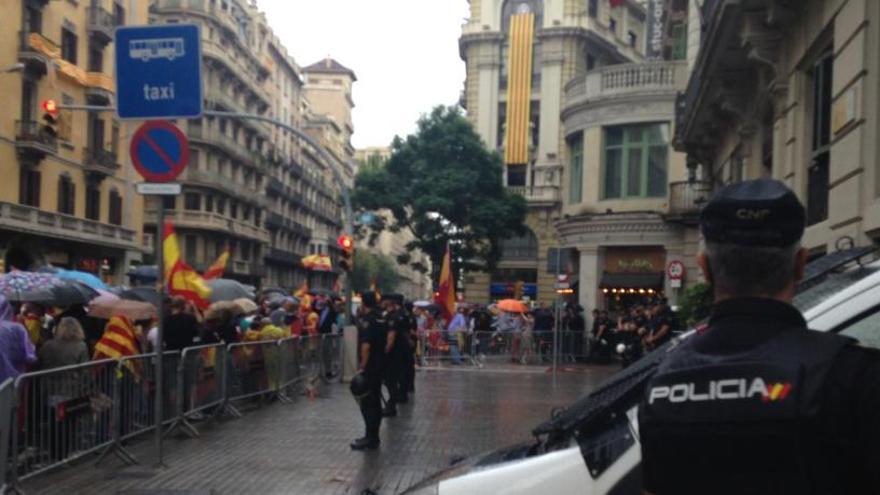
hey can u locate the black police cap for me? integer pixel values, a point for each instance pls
(760, 213)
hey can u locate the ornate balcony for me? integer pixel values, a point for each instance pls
(204, 220)
(99, 88)
(633, 80)
(538, 195)
(686, 200)
(35, 52)
(101, 24)
(28, 219)
(100, 162)
(33, 140)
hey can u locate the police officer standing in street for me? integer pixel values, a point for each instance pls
(397, 348)
(755, 403)
(372, 329)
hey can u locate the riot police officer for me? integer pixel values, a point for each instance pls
(372, 329)
(397, 348)
(755, 403)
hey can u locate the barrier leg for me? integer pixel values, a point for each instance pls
(116, 446)
(180, 422)
(227, 409)
(280, 385)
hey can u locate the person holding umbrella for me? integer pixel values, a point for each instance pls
(16, 349)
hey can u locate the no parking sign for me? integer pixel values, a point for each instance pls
(159, 151)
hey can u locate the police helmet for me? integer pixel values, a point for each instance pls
(359, 386)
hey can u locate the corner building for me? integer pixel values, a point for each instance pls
(67, 196)
(563, 91)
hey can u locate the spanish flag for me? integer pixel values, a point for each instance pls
(303, 290)
(317, 262)
(445, 296)
(180, 278)
(118, 341)
(216, 270)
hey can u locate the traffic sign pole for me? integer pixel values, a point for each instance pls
(160, 329)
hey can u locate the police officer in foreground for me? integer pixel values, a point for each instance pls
(367, 384)
(755, 403)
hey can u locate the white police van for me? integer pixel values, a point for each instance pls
(592, 447)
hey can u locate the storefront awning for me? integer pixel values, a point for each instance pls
(649, 280)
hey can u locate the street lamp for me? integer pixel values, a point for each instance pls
(13, 68)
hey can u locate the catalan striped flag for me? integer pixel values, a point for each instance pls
(217, 269)
(519, 88)
(118, 341)
(181, 279)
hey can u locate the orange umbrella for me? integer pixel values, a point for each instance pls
(512, 306)
(108, 308)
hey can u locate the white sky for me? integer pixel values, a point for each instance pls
(404, 53)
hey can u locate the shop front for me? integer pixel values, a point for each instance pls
(632, 275)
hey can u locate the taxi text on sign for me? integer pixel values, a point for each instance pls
(158, 72)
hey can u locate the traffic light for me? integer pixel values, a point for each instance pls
(50, 119)
(346, 259)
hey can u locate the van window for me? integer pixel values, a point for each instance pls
(866, 329)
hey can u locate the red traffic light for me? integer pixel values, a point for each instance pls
(345, 242)
(50, 107)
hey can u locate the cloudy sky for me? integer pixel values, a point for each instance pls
(404, 52)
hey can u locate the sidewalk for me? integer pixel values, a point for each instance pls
(303, 448)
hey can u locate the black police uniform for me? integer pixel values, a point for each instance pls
(372, 329)
(755, 403)
(413, 338)
(395, 372)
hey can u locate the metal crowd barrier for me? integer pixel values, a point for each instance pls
(52, 417)
(483, 348)
(7, 395)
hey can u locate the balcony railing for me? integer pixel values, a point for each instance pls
(686, 198)
(205, 220)
(29, 219)
(537, 194)
(101, 23)
(32, 135)
(626, 79)
(100, 160)
(236, 150)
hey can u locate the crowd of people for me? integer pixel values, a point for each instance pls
(36, 337)
(525, 337)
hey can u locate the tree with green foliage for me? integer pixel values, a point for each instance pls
(443, 185)
(695, 304)
(370, 266)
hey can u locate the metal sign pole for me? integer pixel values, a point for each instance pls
(160, 337)
(556, 320)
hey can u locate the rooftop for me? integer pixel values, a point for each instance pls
(329, 66)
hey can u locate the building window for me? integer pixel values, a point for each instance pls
(192, 201)
(168, 202)
(635, 161)
(576, 166)
(679, 41)
(591, 62)
(817, 176)
(221, 206)
(593, 8)
(633, 38)
(33, 19)
(119, 14)
(516, 175)
(190, 247)
(66, 195)
(96, 57)
(233, 209)
(612, 25)
(115, 213)
(209, 203)
(93, 203)
(68, 45)
(29, 188)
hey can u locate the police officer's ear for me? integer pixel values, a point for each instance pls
(800, 264)
(703, 263)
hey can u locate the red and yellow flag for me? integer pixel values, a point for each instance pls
(181, 279)
(317, 262)
(445, 296)
(118, 341)
(216, 270)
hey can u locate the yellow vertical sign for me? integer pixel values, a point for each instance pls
(519, 88)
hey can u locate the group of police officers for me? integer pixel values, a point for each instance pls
(386, 355)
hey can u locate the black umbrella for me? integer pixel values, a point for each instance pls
(226, 289)
(71, 293)
(143, 274)
(143, 294)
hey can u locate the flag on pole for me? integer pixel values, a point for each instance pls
(216, 270)
(180, 278)
(445, 296)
